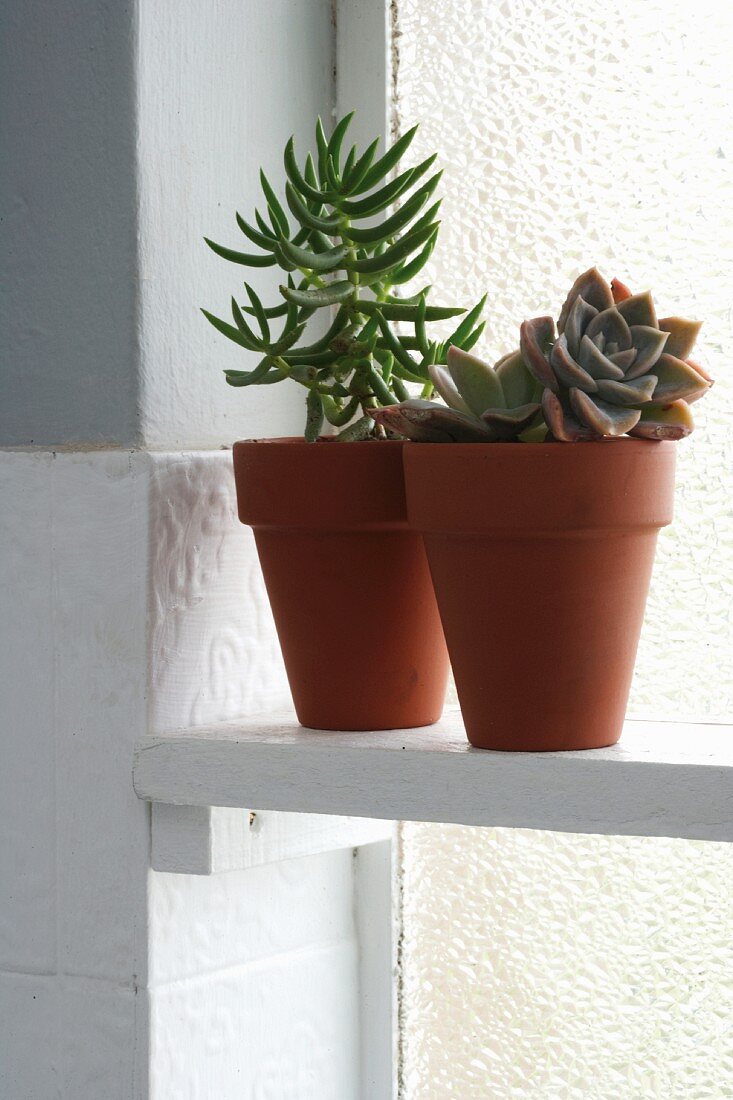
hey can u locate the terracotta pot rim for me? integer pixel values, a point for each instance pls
(539, 488)
(297, 440)
(543, 449)
(286, 482)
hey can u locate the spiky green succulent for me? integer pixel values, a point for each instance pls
(612, 367)
(483, 404)
(340, 262)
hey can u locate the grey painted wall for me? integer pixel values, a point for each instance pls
(128, 132)
(69, 367)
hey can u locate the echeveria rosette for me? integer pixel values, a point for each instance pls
(613, 368)
(483, 404)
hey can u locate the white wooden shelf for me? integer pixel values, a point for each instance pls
(662, 779)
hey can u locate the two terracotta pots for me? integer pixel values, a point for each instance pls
(540, 556)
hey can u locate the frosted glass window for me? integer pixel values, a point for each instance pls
(574, 133)
(545, 966)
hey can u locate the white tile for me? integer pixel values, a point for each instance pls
(198, 925)
(27, 808)
(287, 1030)
(214, 652)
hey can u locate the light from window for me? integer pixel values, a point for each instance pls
(538, 966)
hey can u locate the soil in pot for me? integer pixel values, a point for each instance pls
(541, 556)
(348, 581)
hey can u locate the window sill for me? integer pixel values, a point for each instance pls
(662, 779)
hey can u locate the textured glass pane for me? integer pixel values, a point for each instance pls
(543, 966)
(577, 133)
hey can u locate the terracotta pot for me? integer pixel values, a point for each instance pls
(347, 579)
(541, 556)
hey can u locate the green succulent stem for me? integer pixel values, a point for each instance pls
(348, 265)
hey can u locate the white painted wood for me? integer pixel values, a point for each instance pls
(373, 877)
(363, 72)
(254, 984)
(663, 779)
(221, 86)
(74, 843)
(203, 840)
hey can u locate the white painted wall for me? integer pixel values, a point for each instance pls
(131, 598)
(222, 86)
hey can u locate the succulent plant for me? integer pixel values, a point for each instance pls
(337, 260)
(610, 368)
(613, 367)
(484, 404)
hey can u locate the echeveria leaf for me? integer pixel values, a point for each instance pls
(677, 380)
(593, 288)
(447, 388)
(600, 416)
(649, 344)
(596, 363)
(619, 290)
(567, 370)
(476, 382)
(517, 383)
(561, 423)
(508, 423)
(580, 315)
(673, 421)
(613, 326)
(639, 309)
(426, 422)
(535, 341)
(682, 335)
(635, 392)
